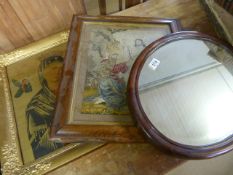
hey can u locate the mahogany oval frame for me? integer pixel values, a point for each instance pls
(144, 123)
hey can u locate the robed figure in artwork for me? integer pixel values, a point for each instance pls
(41, 108)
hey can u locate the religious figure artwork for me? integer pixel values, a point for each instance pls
(40, 109)
(29, 80)
(34, 92)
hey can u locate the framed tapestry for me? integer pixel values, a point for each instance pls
(29, 79)
(92, 96)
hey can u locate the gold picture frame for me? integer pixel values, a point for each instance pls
(15, 64)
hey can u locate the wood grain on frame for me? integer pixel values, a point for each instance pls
(192, 17)
(61, 129)
(136, 107)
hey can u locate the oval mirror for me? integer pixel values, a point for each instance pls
(181, 93)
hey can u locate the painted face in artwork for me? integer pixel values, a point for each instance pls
(52, 74)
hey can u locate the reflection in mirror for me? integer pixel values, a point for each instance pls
(185, 89)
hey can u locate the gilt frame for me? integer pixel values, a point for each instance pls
(11, 151)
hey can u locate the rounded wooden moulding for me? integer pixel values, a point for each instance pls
(143, 121)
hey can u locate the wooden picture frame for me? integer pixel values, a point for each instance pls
(19, 87)
(143, 121)
(91, 103)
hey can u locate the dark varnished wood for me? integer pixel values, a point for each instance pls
(128, 3)
(193, 17)
(226, 4)
(144, 123)
(102, 7)
(61, 131)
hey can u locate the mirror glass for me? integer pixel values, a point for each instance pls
(186, 91)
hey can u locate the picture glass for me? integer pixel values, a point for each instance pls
(33, 85)
(105, 55)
